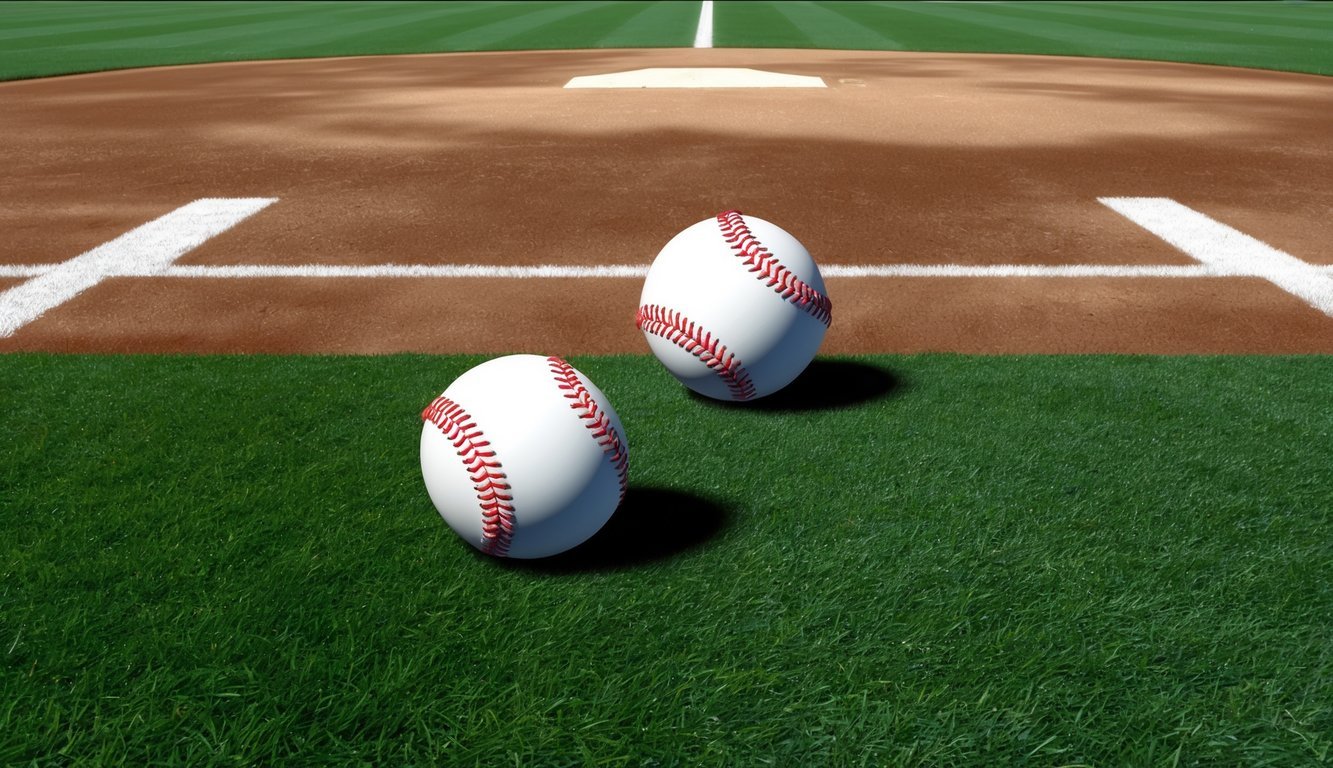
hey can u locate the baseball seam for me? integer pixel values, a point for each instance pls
(759, 260)
(594, 418)
(494, 494)
(691, 337)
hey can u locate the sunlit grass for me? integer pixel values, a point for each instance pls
(929, 559)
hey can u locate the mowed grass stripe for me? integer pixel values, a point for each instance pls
(1182, 30)
(1032, 21)
(1259, 11)
(177, 33)
(655, 25)
(485, 19)
(127, 26)
(357, 22)
(110, 35)
(742, 24)
(165, 25)
(44, 23)
(554, 27)
(1240, 31)
(1045, 28)
(409, 31)
(973, 560)
(928, 30)
(826, 26)
(52, 13)
(1186, 43)
(223, 33)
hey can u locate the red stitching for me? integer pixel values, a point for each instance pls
(783, 281)
(684, 333)
(594, 418)
(493, 492)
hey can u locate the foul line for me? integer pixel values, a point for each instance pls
(703, 36)
(1217, 245)
(152, 249)
(144, 250)
(641, 270)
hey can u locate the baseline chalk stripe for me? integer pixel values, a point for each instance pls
(641, 270)
(1019, 270)
(25, 270)
(1221, 247)
(409, 270)
(146, 250)
(703, 36)
(150, 250)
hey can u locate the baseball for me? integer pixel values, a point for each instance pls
(734, 307)
(524, 457)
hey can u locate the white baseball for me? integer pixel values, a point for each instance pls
(524, 457)
(734, 307)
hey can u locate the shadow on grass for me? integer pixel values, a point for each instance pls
(824, 385)
(651, 524)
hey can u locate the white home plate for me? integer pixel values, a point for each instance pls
(696, 77)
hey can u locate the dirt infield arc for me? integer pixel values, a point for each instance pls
(484, 159)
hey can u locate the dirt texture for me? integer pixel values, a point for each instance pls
(485, 159)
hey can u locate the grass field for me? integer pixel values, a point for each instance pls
(989, 560)
(39, 39)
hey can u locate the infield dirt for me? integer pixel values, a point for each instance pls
(485, 159)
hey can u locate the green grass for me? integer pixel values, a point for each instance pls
(1272, 35)
(38, 39)
(974, 560)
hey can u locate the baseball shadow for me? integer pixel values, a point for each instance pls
(652, 524)
(825, 385)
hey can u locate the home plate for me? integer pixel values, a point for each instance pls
(696, 77)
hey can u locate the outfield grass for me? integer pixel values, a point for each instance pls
(49, 38)
(64, 37)
(921, 559)
(1270, 35)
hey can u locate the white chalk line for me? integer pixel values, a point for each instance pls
(538, 271)
(1217, 245)
(151, 250)
(703, 36)
(144, 250)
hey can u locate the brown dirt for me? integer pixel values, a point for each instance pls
(484, 158)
